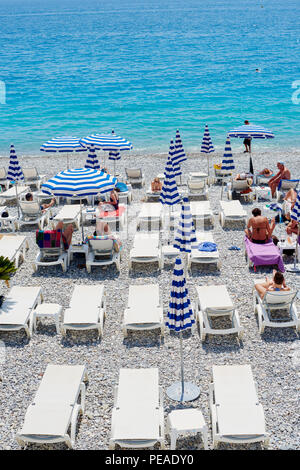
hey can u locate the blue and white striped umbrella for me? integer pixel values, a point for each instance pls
(63, 144)
(249, 130)
(169, 193)
(92, 160)
(185, 238)
(180, 155)
(107, 142)
(79, 182)
(14, 172)
(180, 314)
(207, 145)
(227, 162)
(295, 213)
(172, 155)
(114, 155)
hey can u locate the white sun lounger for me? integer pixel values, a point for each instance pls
(168, 252)
(204, 257)
(32, 178)
(201, 212)
(286, 185)
(32, 214)
(214, 301)
(137, 416)
(152, 194)
(197, 188)
(14, 247)
(53, 414)
(237, 416)
(151, 213)
(135, 176)
(146, 249)
(238, 186)
(144, 310)
(87, 309)
(3, 178)
(69, 213)
(10, 194)
(10, 222)
(16, 312)
(232, 211)
(281, 300)
(102, 253)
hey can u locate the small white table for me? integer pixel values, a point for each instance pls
(186, 421)
(263, 193)
(47, 310)
(77, 249)
(288, 244)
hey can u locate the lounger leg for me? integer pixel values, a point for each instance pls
(111, 445)
(173, 436)
(205, 439)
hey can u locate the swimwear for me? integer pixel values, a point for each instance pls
(259, 242)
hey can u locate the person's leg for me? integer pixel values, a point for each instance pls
(248, 233)
(261, 289)
(106, 229)
(68, 232)
(272, 225)
(60, 225)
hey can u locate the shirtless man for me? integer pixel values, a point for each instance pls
(283, 174)
(258, 229)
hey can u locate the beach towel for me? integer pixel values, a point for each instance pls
(113, 213)
(48, 238)
(207, 246)
(264, 254)
(117, 244)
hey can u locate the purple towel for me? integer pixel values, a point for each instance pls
(262, 255)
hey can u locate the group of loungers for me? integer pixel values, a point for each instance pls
(138, 420)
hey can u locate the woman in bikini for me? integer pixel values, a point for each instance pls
(276, 284)
(113, 201)
(258, 229)
(156, 185)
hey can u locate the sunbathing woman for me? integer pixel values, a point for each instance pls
(276, 284)
(258, 229)
(266, 172)
(113, 201)
(156, 185)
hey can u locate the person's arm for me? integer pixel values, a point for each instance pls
(278, 175)
(268, 229)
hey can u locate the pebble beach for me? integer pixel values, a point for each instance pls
(274, 356)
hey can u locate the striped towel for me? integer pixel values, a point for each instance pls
(48, 238)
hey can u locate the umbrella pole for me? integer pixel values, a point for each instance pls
(207, 165)
(114, 167)
(182, 371)
(16, 186)
(82, 231)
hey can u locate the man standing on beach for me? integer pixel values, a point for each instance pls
(283, 174)
(247, 141)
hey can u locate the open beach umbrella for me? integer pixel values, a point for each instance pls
(92, 160)
(169, 193)
(114, 155)
(179, 154)
(14, 172)
(64, 145)
(207, 145)
(295, 215)
(79, 183)
(227, 162)
(180, 317)
(107, 142)
(249, 131)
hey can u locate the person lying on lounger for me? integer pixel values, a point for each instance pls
(276, 284)
(283, 174)
(156, 185)
(112, 204)
(266, 172)
(44, 207)
(66, 233)
(258, 229)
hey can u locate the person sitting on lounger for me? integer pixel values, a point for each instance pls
(276, 284)
(258, 229)
(283, 174)
(66, 233)
(156, 185)
(112, 204)
(292, 227)
(44, 207)
(266, 172)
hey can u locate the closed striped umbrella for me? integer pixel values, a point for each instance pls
(207, 145)
(180, 317)
(227, 162)
(295, 215)
(172, 155)
(64, 144)
(14, 172)
(169, 194)
(92, 160)
(179, 153)
(185, 238)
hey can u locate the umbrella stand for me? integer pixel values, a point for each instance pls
(183, 391)
(295, 268)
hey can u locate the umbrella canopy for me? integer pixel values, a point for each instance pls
(180, 314)
(79, 182)
(172, 155)
(179, 155)
(92, 160)
(295, 215)
(185, 238)
(63, 145)
(207, 145)
(107, 142)
(15, 172)
(169, 194)
(249, 130)
(114, 155)
(227, 162)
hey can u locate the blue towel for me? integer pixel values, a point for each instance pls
(233, 247)
(122, 187)
(207, 246)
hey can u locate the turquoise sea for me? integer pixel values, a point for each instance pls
(147, 67)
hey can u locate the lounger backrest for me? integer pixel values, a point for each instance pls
(2, 173)
(288, 184)
(234, 385)
(30, 208)
(138, 386)
(144, 296)
(30, 173)
(196, 185)
(281, 298)
(133, 172)
(239, 184)
(101, 247)
(87, 295)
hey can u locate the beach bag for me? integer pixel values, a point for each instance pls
(122, 187)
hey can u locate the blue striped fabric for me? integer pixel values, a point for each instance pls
(227, 162)
(14, 172)
(92, 160)
(169, 193)
(180, 314)
(185, 239)
(179, 155)
(63, 145)
(172, 155)
(114, 155)
(79, 182)
(295, 213)
(107, 142)
(249, 130)
(207, 145)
